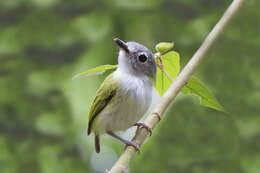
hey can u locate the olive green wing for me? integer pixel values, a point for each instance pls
(104, 95)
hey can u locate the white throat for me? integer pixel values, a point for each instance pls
(124, 63)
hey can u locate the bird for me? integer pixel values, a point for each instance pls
(125, 95)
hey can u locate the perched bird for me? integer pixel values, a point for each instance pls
(125, 95)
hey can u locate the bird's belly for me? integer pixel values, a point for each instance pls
(129, 112)
(127, 109)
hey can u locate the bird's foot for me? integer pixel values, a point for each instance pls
(133, 144)
(143, 125)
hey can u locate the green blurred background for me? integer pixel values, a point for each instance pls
(43, 113)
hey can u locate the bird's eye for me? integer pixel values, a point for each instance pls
(142, 58)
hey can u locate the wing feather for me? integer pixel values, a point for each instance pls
(104, 95)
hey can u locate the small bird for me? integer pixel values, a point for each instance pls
(125, 95)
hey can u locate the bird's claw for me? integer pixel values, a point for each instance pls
(143, 125)
(133, 144)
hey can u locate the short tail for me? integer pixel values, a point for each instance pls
(97, 143)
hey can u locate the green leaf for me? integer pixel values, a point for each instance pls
(194, 86)
(171, 66)
(95, 71)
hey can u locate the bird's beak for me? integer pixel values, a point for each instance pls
(122, 45)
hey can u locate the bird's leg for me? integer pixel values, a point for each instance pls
(143, 125)
(128, 143)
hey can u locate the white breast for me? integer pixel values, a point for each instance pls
(132, 102)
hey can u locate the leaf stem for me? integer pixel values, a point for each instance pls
(160, 65)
